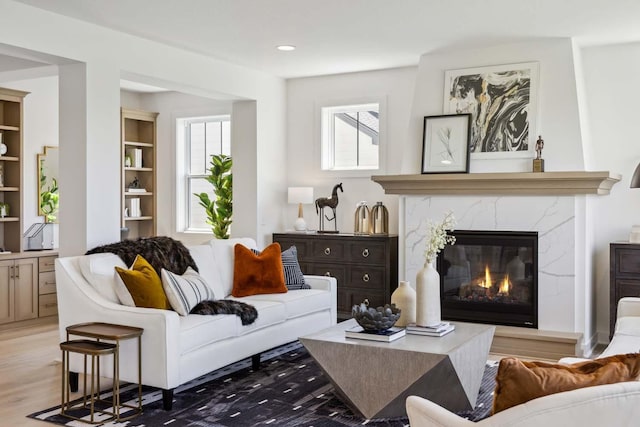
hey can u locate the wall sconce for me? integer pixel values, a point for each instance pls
(634, 237)
(300, 195)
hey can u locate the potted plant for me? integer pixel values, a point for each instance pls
(220, 208)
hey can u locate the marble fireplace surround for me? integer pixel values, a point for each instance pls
(555, 204)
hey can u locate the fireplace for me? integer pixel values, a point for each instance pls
(490, 277)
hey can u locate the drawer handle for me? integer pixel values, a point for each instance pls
(365, 278)
(49, 283)
(51, 304)
(328, 274)
(365, 252)
(327, 251)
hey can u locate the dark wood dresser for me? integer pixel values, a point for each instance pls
(625, 276)
(364, 266)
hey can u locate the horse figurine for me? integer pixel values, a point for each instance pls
(331, 202)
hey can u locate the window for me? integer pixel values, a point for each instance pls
(202, 137)
(350, 137)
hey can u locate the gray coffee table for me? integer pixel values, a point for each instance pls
(375, 378)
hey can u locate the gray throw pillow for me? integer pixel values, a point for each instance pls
(293, 277)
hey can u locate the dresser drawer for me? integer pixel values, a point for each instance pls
(301, 246)
(366, 277)
(326, 269)
(627, 288)
(328, 250)
(47, 282)
(367, 252)
(48, 305)
(47, 263)
(628, 261)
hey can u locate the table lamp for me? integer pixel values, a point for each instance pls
(300, 195)
(634, 237)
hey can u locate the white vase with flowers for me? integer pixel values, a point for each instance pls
(427, 279)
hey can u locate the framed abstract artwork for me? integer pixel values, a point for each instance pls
(445, 144)
(502, 101)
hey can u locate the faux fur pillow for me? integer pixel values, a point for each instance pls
(518, 382)
(257, 274)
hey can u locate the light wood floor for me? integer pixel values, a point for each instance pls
(30, 373)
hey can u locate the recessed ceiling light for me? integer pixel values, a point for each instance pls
(286, 47)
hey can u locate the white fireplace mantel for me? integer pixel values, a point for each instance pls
(522, 184)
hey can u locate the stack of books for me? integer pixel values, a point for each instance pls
(387, 335)
(134, 208)
(136, 157)
(432, 331)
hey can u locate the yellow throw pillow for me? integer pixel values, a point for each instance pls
(257, 273)
(144, 285)
(518, 382)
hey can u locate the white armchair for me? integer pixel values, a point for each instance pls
(604, 405)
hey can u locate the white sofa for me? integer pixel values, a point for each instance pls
(605, 405)
(176, 349)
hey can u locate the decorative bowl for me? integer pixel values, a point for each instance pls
(375, 319)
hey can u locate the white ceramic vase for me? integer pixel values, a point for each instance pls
(428, 295)
(404, 297)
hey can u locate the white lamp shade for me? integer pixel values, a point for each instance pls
(300, 195)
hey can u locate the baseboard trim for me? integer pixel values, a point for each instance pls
(535, 343)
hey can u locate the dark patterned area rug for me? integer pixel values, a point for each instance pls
(288, 390)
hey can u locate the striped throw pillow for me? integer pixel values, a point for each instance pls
(186, 291)
(293, 277)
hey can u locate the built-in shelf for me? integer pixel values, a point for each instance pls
(9, 219)
(138, 169)
(138, 144)
(9, 159)
(8, 189)
(138, 193)
(5, 127)
(138, 218)
(519, 183)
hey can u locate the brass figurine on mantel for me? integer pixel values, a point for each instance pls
(538, 162)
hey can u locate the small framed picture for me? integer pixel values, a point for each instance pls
(445, 144)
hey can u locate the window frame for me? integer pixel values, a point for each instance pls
(323, 126)
(185, 176)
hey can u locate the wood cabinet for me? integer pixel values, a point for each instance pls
(47, 298)
(27, 286)
(138, 140)
(18, 282)
(11, 130)
(624, 276)
(364, 266)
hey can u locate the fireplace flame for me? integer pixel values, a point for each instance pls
(486, 283)
(505, 286)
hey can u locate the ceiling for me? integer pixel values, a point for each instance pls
(337, 36)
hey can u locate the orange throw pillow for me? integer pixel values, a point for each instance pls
(518, 382)
(257, 274)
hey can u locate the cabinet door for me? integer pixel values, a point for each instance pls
(26, 288)
(6, 292)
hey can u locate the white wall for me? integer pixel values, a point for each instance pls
(612, 94)
(304, 96)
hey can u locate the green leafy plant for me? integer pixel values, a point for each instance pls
(49, 198)
(219, 210)
(49, 202)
